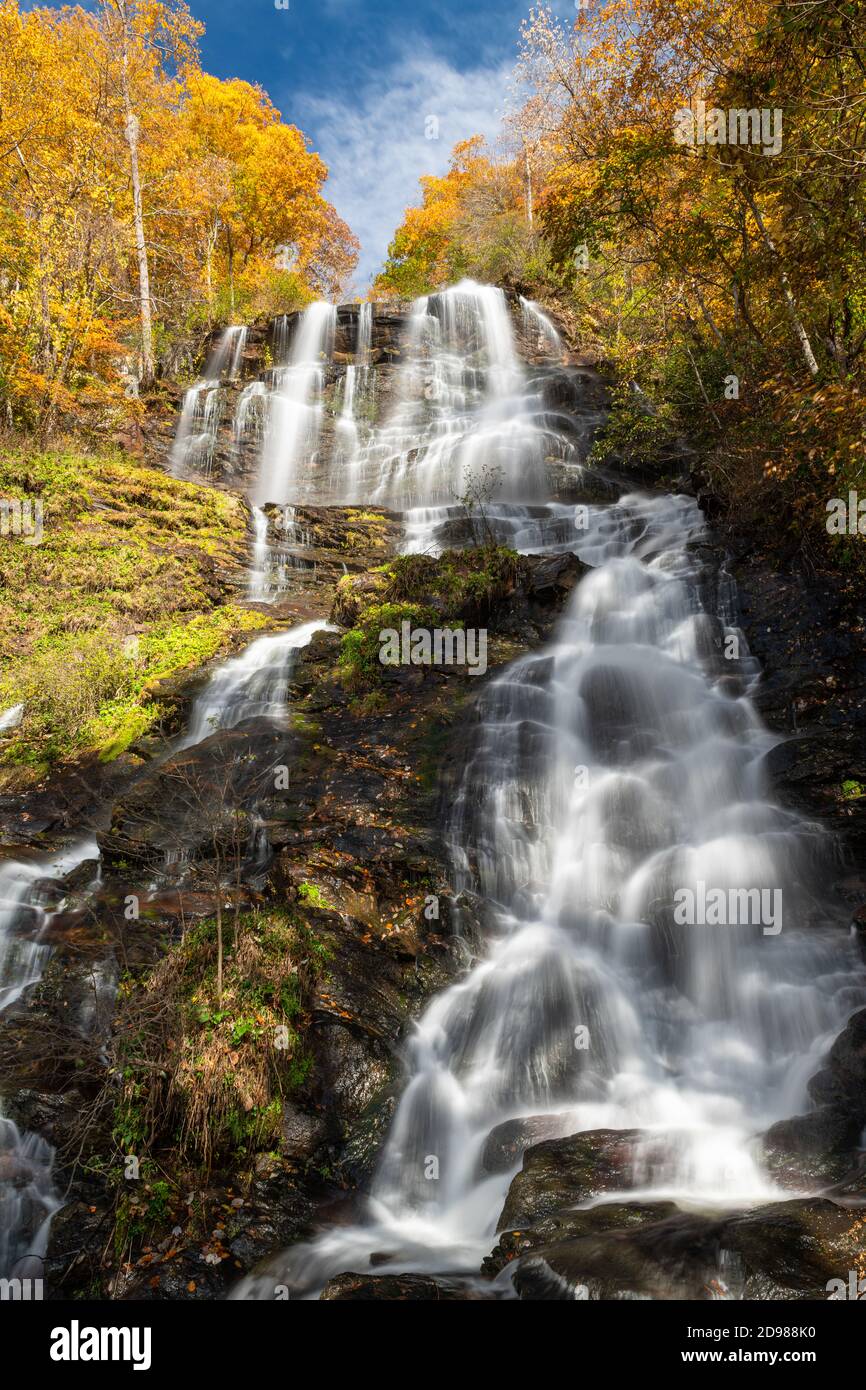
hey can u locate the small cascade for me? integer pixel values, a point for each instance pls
(295, 414)
(27, 1196)
(357, 391)
(202, 410)
(539, 329)
(364, 345)
(253, 685)
(281, 340)
(200, 416)
(249, 421)
(347, 430)
(258, 587)
(226, 357)
(11, 718)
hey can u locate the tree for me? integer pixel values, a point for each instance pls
(145, 40)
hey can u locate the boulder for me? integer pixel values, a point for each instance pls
(508, 1142)
(561, 1173)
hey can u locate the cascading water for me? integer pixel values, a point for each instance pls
(260, 588)
(356, 394)
(467, 417)
(250, 414)
(201, 412)
(27, 1196)
(295, 413)
(252, 685)
(539, 329)
(614, 770)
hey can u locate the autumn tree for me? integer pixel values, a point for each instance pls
(141, 203)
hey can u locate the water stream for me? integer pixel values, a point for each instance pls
(28, 1199)
(615, 772)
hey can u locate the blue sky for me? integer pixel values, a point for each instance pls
(361, 77)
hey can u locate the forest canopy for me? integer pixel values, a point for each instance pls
(143, 201)
(685, 181)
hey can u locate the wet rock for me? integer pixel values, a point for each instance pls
(821, 1148)
(183, 803)
(810, 1151)
(796, 1247)
(841, 1084)
(43, 1112)
(568, 1225)
(402, 1288)
(80, 1231)
(785, 1250)
(507, 1142)
(670, 1257)
(300, 1132)
(563, 1172)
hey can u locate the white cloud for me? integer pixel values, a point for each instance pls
(374, 140)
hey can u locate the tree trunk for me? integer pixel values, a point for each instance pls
(790, 303)
(231, 258)
(131, 132)
(211, 244)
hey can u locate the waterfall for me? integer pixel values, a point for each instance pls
(617, 773)
(250, 686)
(202, 408)
(357, 391)
(537, 326)
(11, 718)
(347, 429)
(258, 586)
(470, 427)
(295, 411)
(27, 1196)
(281, 340)
(250, 413)
(364, 342)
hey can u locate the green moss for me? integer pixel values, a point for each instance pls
(423, 590)
(852, 790)
(359, 649)
(128, 586)
(311, 894)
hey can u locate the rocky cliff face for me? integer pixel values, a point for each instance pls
(332, 888)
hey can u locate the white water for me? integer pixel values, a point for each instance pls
(27, 1196)
(538, 327)
(201, 412)
(251, 685)
(352, 433)
(469, 421)
(295, 413)
(619, 764)
(259, 587)
(11, 718)
(250, 413)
